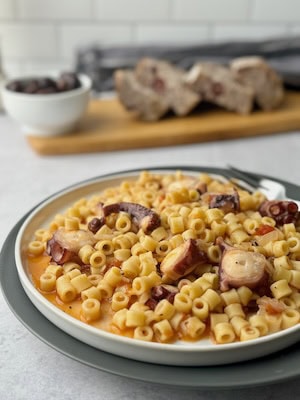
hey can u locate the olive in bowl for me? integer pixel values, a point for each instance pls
(47, 106)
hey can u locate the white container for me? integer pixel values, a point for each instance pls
(47, 114)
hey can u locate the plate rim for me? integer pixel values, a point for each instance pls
(177, 382)
(174, 351)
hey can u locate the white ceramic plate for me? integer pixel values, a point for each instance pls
(199, 353)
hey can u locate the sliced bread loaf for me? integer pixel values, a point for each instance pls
(216, 84)
(258, 74)
(168, 81)
(148, 105)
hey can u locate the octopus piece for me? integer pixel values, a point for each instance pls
(226, 202)
(144, 217)
(58, 253)
(95, 224)
(182, 260)
(242, 268)
(64, 245)
(161, 292)
(283, 212)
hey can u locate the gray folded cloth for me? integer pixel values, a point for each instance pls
(100, 62)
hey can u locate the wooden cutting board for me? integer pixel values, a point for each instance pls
(107, 126)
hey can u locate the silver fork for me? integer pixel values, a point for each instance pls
(271, 189)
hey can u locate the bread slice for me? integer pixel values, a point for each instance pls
(216, 84)
(167, 81)
(149, 105)
(266, 83)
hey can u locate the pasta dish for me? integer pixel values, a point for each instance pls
(168, 257)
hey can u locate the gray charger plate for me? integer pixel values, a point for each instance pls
(275, 368)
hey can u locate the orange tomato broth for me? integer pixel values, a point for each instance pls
(37, 266)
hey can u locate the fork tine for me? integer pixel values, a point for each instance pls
(243, 173)
(239, 183)
(251, 180)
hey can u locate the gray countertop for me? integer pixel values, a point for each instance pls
(29, 369)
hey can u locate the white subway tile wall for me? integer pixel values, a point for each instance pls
(132, 10)
(210, 10)
(277, 10)
(6, 9)
(25, 41)
(45, 34)
(74, 36)
(249, 31)
(51, 10)
(172, 33)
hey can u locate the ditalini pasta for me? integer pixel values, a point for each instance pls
(167, 257)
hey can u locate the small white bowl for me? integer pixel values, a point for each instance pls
(47, 114)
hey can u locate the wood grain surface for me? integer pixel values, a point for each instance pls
(107, 126)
